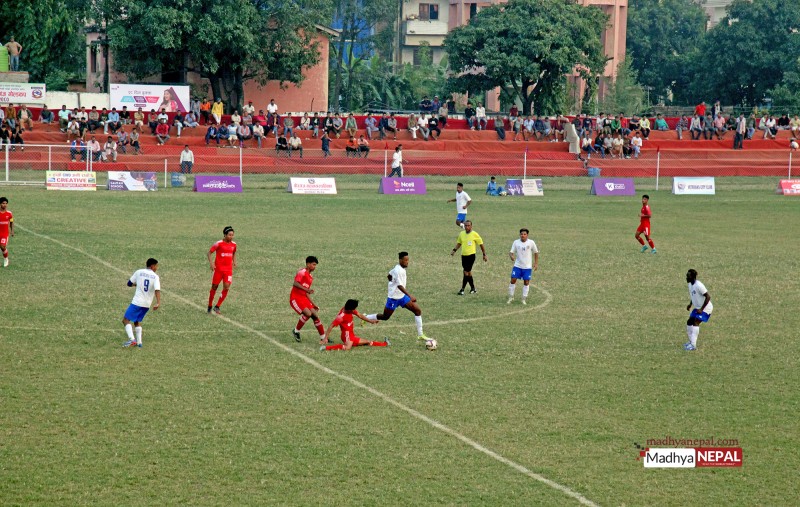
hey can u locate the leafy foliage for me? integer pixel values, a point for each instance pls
(528, 46)
(625, 95)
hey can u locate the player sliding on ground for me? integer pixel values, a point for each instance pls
(222, 266)
(301, 303)
(400, 297)
(349, 339)
(644, 225)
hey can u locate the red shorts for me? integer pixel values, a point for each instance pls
(644, 229)
(3, 240)
(355, 340)
(221, 276)
(300, 304)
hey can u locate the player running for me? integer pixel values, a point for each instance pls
(222, 266)
(525, 255)
(644, 225)
(701, 308)
(400, 297)
(6, 228)
(148, 285)
(349, 339)
(462, 200)
(301, 303)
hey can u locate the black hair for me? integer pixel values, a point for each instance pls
(524, 230)
(459, 184)
(351, 305)
(3, 199)
(693, 273)
(311, 259)
(401, 255)
(151, 262)
(226, 230)
(645, 196)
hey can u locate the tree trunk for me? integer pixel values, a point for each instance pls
(216, 89)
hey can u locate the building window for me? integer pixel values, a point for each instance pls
(93, 59)
(473, 10)
(429, 12)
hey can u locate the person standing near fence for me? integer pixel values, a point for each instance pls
(187, 160)
(14, 50)
(397, 162)
(741, 131)
(644, 225)
(6, 228)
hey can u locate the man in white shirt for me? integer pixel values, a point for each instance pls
(249, 108)
(94, 148)
(480, 116)
(397, 162)
(398, 296)
(295, 144)
(636, 144)
(148, 285)
(525, 255)
(272, 107)
(187, 160)
(462, 200)
(700, 306)
(110, 150)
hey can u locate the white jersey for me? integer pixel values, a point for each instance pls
(696, 292)
(147, 283)
(523, 253)
(462, 198)
(398, 278)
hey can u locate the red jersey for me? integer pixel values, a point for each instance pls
(646, 211)
(344, 320)
(304, 278)
(6, 218)
(224, 259)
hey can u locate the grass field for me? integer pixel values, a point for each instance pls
(231, 411)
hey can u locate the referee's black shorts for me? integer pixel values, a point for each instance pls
(467, 261)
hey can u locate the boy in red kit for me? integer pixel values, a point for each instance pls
(6, 228)
(644, 225)
(345, 321)
(222, 266)
(301, 303)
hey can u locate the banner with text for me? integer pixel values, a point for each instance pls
(132, 181)
(524, 188)
(402, 186)
(612, 186)
(71, 180)
(229, 184)
(149, 96)
(698, 186)
(312, 186)
(23, 93)
(788, 187)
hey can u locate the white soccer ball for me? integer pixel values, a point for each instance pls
(503, 193)
(431, 344)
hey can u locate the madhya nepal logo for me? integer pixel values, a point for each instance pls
(611, 186)
(689, 457)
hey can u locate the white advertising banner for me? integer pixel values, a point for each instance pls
(132, 181)
(172, 98)
(22, 93)
(71, 180)
(312, 186)
(702, 186)
(532, 188)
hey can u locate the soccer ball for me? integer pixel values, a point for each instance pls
(431, 344)
(503, 193)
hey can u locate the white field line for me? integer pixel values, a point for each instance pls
(418, 415)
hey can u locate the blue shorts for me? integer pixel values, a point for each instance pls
(392, 304)
(461, 217)
(519, 273)
(702, 317)
(135, 313)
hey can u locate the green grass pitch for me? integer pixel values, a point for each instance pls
(212, 411)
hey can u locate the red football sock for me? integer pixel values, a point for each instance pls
(5, 252)
(301, 322)
(640, 240)
(320, 327)
(652, 245)
(222, 297)
(211, 294)
(378, 344)
(335, 347)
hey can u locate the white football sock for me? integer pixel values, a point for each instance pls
(695, 332)
(525, 289)
(372, 316)
(129, 331)
(511, 288)
(138, 335)
(418, 322)
(689, 332)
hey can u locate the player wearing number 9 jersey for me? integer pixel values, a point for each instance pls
(148, 286)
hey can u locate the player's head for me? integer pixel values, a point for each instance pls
(402, 259)
(459, 187)
(645, 198)
(311, 263)
(468, 225)
(227, 233)
(3, 202)
(492, 178)
(523, 234)
(351, 305)
(152, 264)
(691, 276)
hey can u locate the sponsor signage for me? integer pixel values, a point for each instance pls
(149, 96)
(788, 187)
(203, 183)
(23, 93)
(699, 186)
(71, 180)
(532, 188)
(514, 187)
(312, 186)
(612, 186)
(132, 181)
(402, 186)
(691, 457)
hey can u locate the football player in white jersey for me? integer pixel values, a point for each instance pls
(525, 255)
(148, 286)
(700, 306)
(399, 297)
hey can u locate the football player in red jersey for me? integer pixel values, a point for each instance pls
(6, 228)
(300, 301)
(349, 339)
(222, 266)
(644, 225)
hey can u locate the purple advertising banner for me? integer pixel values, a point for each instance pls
(514, 187)
(402, 186)
(217, 184)
(613, 186)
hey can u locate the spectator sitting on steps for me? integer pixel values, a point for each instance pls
(162, 132)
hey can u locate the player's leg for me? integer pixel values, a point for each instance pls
(638, 237)
(128, 332)
(388, 310)
(649, 241)
(692, 330)
(303, 309)
(525, 288)
(226, 285)
(4, 248)
(414, 308)
(467, 261)
(216, 278)
(317, 322)
(512, 286)
(137, 329)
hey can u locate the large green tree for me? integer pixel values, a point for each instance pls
(662, 39)
(748, 52)
(226, 41)
(527, 46)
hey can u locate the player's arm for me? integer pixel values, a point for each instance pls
(536, 261)
(371, 321)
(404, 291)
(211, 259)
(11, 226)
(455, 249)
(484, 253)
(234, 259)
(298, 285)
(705, 303)
(451, 200)
(158, 300)
(468, 203)
(326, 338)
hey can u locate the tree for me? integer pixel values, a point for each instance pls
(663, 38)
(625, 94)
(786, 96)
(527, 46)
(227, 41)
(747, 53)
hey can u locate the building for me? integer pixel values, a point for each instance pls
(716, 10)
